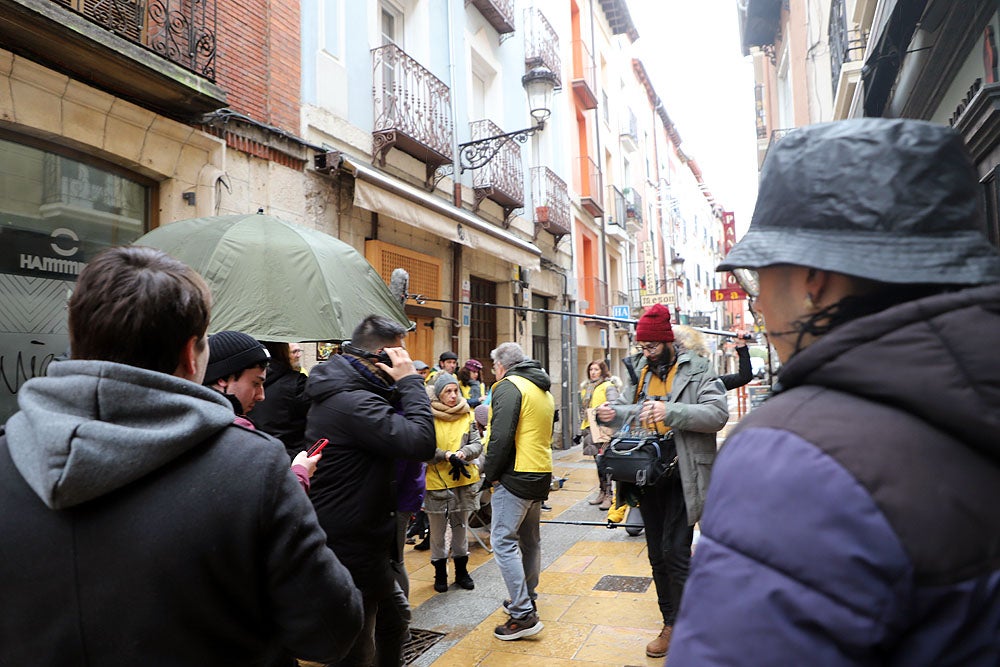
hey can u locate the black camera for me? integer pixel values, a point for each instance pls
(374, 356)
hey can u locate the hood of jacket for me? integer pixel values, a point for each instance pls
(935, 358)
(532, 370)
(342, 373)
(91, 427)
(687, 338)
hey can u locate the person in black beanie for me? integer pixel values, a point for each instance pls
(237, 368)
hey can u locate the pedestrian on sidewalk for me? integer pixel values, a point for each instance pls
(519, 468)
(677, 392)
(852, 518)
(140, 525)
(594, 391)
(452, 482)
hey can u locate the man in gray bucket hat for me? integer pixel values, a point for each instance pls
(851, 519)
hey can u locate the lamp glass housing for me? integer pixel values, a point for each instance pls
(539, 83)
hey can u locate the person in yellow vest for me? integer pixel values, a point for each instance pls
(452, 481)
(677, 391)
(596, 390)
(519, 467)
(447, 362)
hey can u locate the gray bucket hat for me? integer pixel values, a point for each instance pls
(895, 201)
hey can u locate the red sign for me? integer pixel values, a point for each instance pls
(728, 231)
(728, 294)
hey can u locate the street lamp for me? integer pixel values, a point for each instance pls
(539, 83)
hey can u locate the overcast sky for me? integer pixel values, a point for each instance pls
(691, 50)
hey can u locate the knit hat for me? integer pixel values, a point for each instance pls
(230, 352)
(654, 326)
(473, 365)
(482, 414)
(448, 355)
(442, 380)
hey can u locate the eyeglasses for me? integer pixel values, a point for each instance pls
(649, 347)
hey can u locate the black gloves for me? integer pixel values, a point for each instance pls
(459, 468)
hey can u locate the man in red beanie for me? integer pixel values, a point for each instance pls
(678, 393)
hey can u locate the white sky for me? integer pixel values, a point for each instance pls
(691, 50)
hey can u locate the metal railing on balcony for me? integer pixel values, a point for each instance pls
(595, 292)
(630, 131)
(614, 204)
(633, 206)
(584, 75)
(550, 197)
(502, 178)
(183, 32)
(541, 44)
(499, 14)
(846, 45)
(587, 179)
(412, 109)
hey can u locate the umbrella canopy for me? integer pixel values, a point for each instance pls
(275, 280)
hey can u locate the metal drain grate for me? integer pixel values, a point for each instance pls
(420, 642)
(622, 584)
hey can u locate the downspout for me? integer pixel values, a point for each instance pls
(600, 180)
(456, 253)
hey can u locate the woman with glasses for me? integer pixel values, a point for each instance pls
(852, 518)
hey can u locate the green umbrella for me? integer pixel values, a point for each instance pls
(275, 280)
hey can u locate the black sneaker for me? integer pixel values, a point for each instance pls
(546, 507)
(516, 628)
(534, 605)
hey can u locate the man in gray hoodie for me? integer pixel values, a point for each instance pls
(140, 525)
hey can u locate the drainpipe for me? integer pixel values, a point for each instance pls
(600, 180)
(452, 57)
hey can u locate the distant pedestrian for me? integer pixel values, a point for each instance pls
(594, 391)
(852, 517)
(140, 525)
(282, 411)
(469, 382)
(447, 362)
(519, 468)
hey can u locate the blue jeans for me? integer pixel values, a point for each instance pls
(517, 547)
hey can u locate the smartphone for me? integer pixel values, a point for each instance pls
(317, 447)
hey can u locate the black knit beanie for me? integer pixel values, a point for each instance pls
(230, 352)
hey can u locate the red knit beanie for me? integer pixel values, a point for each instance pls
(654, 326)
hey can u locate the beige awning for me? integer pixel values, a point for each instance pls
(374, 191)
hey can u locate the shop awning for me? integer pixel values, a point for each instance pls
(377, 192)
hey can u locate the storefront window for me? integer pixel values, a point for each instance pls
(55, 214)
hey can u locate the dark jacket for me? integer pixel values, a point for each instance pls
(282, 413)
(852, 518)
(141, 527)
(369, 424)
(522, 465)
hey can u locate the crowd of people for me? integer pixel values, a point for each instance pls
(163, 503)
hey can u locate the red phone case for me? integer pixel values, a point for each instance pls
(318, 446)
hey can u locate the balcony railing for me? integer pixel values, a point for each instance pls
(633, 206)
(502, 178)
(541, 44)
(630, 132)
(412, 110)
(594, 292)
(182, 31)
(498, 13)
(550, 197)
(614, 204)
(584, 75)
(845, 45)
(587, 179)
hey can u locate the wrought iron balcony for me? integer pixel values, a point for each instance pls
(633, 206)
(160, 53)
(502, 178)
(584, 75)
(595, 292)
(630, 132)
(498, 13)
(550, 197)
(412, 110)
(541, 44)
(614, 204)
(846, 45)
(587, 179)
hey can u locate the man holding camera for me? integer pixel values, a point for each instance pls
(371, 405)
(677, 393)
